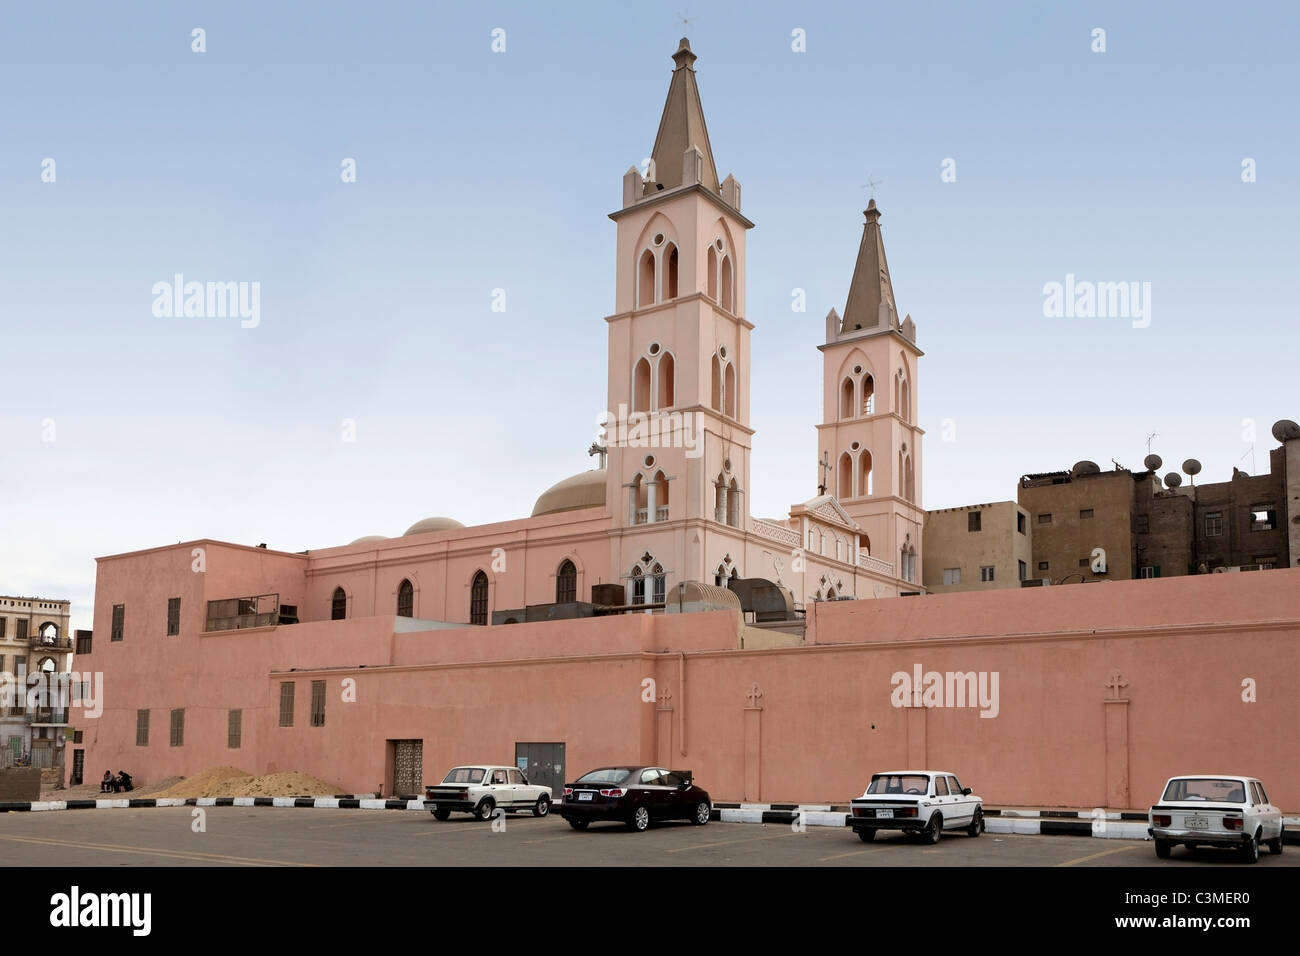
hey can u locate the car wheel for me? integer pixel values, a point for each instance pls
(579, 824)
(640, 819)
(484, 809)
(866, 834)
(976, 823)
(1163, 848)
(1250, 850)
(442, 813)
(542, 807)
(932, 832)
(1275, 846)
(702, 812)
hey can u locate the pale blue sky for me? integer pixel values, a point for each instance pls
(479, 170)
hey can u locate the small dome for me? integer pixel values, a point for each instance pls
(432, 524)
(369, 539)
(586, 490)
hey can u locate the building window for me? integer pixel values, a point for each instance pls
(1020, 521)
(478, 600)
(660, 585)
(1045, 519)
(77, 736)
(22, 629)
(405, 599)
(638, 587)
(173, 616)
(1085, 512)
(1149, 571)
(1213, 524)
(286, 703)
(952, 575)
(973, 521)
(339, 605)
(3, 622)
(1142, 524)
(1262, 518)
(1044, 565)
(986, 572)
(119, 619)
(566, 583)
(1022, 570)
(1084, 562)
(83, 641)
(234, 729)
(1266, 562)
(318, 703)
(142, 728)
(178, 727)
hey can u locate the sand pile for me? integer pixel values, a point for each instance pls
(233, 782)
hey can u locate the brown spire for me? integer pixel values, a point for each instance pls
(871, 296)
(682, 127)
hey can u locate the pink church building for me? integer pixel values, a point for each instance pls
(377, 664)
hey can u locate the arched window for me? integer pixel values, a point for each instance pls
(638, 501)
(670, 273)
(339, 605)
(716, 400)
(846, 399)
(646, 279)
(637, 583)
(660, 589)
(641, 387)
(405, 599)
(661, 497)
(733, 504)
(720, 500)
(478, 599)
(667, 373)
(910, 477)
(846, 476)
(729, 391)
(712, 270)
(868, 395)
(864, 544)
(566, 583)
(830, 594)
(864, 474)
(727, 302)
(905, 401)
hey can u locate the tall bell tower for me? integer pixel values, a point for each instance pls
(869, 436)
(679, 357)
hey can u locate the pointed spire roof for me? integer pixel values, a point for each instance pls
(871, 296)
(682, 126)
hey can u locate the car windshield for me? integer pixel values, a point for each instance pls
(912, 783)
(464, 775)
(1227, 790)
(606, 775)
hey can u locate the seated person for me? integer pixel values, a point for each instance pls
(124, 780)
(106, 785)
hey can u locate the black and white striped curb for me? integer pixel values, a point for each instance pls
(344, 802)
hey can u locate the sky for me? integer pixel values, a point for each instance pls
(378, 386)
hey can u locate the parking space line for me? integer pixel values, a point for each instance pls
(705, 846)
(145, 851)
(840, 856)
(1094, 856)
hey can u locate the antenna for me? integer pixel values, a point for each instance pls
(1149, 437)
(1251, 452)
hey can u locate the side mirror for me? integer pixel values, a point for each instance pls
(965, 791)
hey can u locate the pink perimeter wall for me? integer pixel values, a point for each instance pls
(1103, 691)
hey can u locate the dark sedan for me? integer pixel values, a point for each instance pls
(636, 796)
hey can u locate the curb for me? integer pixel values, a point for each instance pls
(344, 802)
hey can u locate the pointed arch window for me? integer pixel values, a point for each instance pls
(905, 400)
(566, 583)
(864, 474)
(667, 384)
(729, 391)
(659, 584)
(846, 399)
(661, 497)
(727, 285)
(478, 599)
(733, 504)
(670, 272)
(645, 282)
(909, 490)
(846, 477)
(641, 386)
(637, 582)
(405, 599)
(712, 271)
(868, 395)
(715, 401)
(339, 605)
(638, 501)
(720, 499)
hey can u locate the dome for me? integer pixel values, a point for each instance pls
(586, 490)
(369, 539)
(432, 524)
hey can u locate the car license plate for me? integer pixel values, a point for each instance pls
(1196, 823)
(884, 814)
(585, 795)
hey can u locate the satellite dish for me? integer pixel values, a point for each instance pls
(1173, 479)
(1085, 468)
(1286, 430)
(1192, 467)
(1152, 462)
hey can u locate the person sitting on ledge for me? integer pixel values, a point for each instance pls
(106, 785)
(124, 781)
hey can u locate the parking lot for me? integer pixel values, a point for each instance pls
(246, 836)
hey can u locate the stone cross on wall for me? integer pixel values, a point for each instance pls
(1114, 683)
(754, 696)
(825, 466)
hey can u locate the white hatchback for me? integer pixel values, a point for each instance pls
(1216, 810)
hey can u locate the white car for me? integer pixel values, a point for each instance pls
(1216, 810)
(482, 788)
(924, 802)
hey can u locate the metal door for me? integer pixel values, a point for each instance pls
(78, 767)
(408, 768)
(542, 764)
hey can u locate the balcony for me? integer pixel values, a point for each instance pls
(49, 716)
(37, 642)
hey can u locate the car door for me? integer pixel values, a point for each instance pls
(963, 805)
(677, 803)
(523, 794)
(1272, 815)
(940, 798)
(498, 780)
(649, 784)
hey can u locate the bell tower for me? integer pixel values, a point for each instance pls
(869, 434)
(677, 428)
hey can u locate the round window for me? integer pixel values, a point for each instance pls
(718, 243)
(659, 239)
(857, 370)
(649, 461)
(855, 446)
(654, 348)
(723, 351)
(726, 464)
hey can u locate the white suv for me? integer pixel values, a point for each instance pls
(1216, 810)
